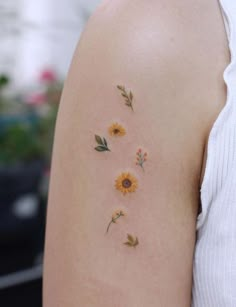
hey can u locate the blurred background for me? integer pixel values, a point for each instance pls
(38, 38)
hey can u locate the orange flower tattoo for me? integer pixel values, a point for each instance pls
(126, 183)
(116, 130)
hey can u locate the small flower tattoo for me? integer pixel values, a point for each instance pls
(141, 157)
(116, 130)
(102, 144)
(115, 216)
(126, 183)
(127, 96)
(131, 241)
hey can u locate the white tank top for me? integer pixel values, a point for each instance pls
(214, 266)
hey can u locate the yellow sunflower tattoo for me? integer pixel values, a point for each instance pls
(126, 183)
(116, 130)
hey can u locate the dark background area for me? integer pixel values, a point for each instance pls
(25, 295)
(35, 53)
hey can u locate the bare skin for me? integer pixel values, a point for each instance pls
(172, 56)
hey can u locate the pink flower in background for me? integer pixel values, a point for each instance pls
(36, 99)
(47, 76)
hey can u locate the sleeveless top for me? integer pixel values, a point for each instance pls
(214, 263)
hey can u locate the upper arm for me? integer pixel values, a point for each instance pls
(86, 265)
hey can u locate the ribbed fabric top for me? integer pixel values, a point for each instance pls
(214, 266)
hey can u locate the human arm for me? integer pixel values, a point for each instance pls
(85, 265)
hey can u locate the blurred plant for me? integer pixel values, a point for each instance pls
(19, 143)
(47, 76)
(27, 120)
(4, 80)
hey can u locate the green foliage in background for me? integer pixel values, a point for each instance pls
(4, 80)
(23, 140)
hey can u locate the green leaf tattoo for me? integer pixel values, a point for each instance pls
(127, 96)
(102, 144)
(132, 241)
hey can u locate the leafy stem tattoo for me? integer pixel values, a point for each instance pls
(102, 144)
(132, 241)
(128, 96)
(116, 215)
(141, 158)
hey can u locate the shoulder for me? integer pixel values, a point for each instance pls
(175, 52)
(183, 39)
(161, 23)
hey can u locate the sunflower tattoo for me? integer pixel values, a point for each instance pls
(116, 130)
(126, 183)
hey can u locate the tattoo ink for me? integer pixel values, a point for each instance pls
(126, 183)
(141, 157)
(115, 216)
(127, 96)
(102, 144)
(116, 130)
(131, 241)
